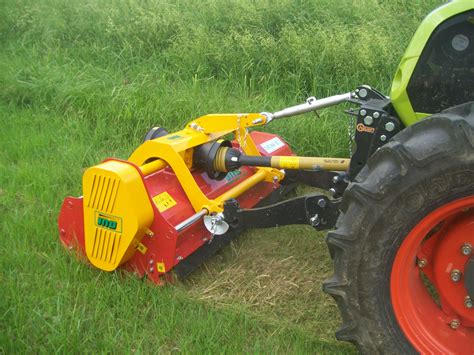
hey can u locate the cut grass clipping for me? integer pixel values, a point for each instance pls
(84, 80)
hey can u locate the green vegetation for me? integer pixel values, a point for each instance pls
(84, 80)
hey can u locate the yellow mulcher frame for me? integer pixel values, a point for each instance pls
(176, 151)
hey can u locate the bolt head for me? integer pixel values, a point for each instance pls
(422, 263)
(151, 262)
(455, 323)
(151, 269)
(376, 114)
(314, 220)
(335, 179)
(362, 112)
(322, 203)
(368, 120)
(389, 126)
(332, 191)
(468, 302)
(466, 249)
(456, 275)
(383, 137)
(362, 92)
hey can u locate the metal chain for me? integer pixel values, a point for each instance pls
(351, 133)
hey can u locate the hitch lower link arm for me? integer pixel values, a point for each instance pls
(315, 210)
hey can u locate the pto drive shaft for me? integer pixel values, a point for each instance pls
(229, 159)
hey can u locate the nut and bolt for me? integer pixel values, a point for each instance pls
(363, 92)
(363, 112)
(179, 258)
(151, 269)
(322, 202)
(383, 137)
(466, 249)
(422, 263)
(335, 179)
(389, 126)
(455, 323)
(368, 120)
(468, 302)
(332, 191)
(456, 275)
(151, 262)
(314, 220)
(376, 114)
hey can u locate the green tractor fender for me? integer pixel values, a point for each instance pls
(435, 37)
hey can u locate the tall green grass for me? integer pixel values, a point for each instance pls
(84, 80)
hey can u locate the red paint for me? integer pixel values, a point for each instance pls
(71, 226)
(425, 324)
(167, 245)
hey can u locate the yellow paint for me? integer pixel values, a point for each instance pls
(155, 165)
(114, 192)
(289, 162)
(164, 201)
(175, 150)
(142, 248)
(310, 163)
(160, 267)
(237, 190)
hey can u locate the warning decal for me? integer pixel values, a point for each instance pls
(273, 144)
(164, 201)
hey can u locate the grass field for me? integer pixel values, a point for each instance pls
(84, 80)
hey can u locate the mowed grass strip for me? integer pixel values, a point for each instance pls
(82, 81)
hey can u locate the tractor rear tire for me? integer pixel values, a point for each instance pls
(426, 168)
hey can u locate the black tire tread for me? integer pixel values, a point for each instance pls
(447, 137)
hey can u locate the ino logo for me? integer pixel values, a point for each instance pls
(103, 221)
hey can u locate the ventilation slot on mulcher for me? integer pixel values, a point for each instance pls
(103, 193)
(106, 245)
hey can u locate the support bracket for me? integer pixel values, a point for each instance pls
(315, 210)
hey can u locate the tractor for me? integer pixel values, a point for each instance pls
(399, 211)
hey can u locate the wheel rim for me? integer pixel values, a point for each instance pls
(432, 309)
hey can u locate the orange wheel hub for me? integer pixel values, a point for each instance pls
(429, 296)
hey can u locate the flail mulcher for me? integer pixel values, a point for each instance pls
(401, 208)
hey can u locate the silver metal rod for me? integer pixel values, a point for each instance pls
(312, 104)
(191, 220)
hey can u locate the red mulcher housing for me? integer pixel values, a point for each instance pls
(184, 250)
